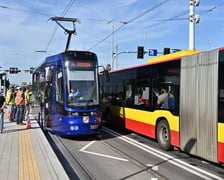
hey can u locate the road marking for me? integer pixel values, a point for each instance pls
(187, 167)
(99, 154)
(155, 168)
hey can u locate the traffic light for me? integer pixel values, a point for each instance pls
(13, 70)
(140, 52)
(166, 51)
(31, 70)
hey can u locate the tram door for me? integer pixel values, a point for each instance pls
(48, 106)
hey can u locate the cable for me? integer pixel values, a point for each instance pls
(131, 20)
(32, 10)
(211, 9)
(67, 8)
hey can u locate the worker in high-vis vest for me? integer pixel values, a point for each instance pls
(27, 105)
(10, 101)
(20, 103)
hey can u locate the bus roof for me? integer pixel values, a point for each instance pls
(163, 58)
(172, 56)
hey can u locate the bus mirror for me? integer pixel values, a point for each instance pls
(48, 74)
(106, 76)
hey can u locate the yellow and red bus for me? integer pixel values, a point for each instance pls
(192, 120)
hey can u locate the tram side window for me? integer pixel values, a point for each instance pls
(59, 87)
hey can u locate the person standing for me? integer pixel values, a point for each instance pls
(27, 106)
(10, 101)
(2, 106)
(32, 99)
(163, 99)
(20, 103)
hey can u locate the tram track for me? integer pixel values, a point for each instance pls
(169, 158)
(135, 161)
(81, 169)
(77, 169)
(79, 154)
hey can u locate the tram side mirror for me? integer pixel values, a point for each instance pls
(106, 76)
(48, 74)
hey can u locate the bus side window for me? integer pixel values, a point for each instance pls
(141, 96)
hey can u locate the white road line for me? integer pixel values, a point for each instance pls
(99, 154)
(86, 146)
(192, 169)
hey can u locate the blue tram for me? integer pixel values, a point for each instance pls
(68, 89)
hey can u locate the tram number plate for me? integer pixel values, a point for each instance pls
(94, 126)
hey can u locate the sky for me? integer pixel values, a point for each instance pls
(28, 36)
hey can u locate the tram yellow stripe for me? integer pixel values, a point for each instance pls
(220, 132)
(28, 167)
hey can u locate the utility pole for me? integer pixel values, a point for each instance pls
(112, 43)
(193, 19)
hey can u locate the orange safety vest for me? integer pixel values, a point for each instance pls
(19, 99)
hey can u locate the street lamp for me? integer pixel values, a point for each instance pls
(112, 48)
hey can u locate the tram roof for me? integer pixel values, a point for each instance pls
(172, 56)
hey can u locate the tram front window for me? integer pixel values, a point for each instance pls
(82, 89)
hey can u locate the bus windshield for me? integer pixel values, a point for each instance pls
(82, 88)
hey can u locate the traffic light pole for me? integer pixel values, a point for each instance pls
(115, 55)
(3, 82)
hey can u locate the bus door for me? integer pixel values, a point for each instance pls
(138, 107)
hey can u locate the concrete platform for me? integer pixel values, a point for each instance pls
(26, 154)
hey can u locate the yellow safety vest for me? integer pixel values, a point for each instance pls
(10, 99)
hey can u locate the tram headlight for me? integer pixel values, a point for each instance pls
(73, 113)
(74, 128)
(93, 113)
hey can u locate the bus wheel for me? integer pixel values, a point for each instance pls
(163, 135)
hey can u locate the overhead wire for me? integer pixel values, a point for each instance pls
(30, 9)
(131, 20)
(67, 8)
(175, 18)
(211, 9)
(35, 11)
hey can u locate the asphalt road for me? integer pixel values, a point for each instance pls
(119, 154)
